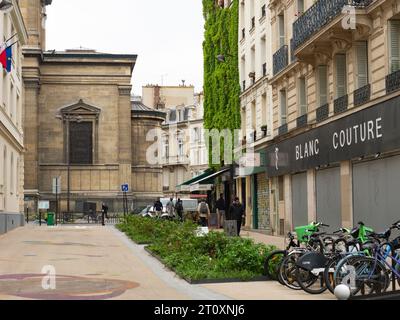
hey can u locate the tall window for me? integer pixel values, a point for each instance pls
(394, 45)
(263, 50)
(362, 63)
(300, 7)
(180, 147)
(166, 148)
(81, 142)
(253, 117)
(323, 85)
(281, 30)
(302, 92)
(5, 170)
(341, 75)
(283, 102)
(12, 174)
(264, 109)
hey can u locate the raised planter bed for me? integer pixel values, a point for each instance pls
(205, 281)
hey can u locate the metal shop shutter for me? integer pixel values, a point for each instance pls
(376, 192)
(299, 200)
(328, 198)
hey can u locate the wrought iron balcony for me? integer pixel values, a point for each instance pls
(341, 104)
(302, 121)
(323, 113)
(393, 82)
(283, 129)
(280, 59)
(318, 15)
(362, 95)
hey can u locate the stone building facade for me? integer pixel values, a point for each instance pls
(11, 124)
(79, 124)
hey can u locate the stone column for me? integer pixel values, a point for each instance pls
(288, 203)
(31, 134)
(346, 183)
(124, 135)
(311, 194)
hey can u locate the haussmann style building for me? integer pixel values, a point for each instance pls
(335, 155)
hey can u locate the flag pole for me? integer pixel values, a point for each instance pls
(11, 38)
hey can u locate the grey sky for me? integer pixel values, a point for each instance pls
(167, 35)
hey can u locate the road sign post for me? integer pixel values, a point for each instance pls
(57, 191)
(125, 190)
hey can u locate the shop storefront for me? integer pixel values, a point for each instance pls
(351, 166)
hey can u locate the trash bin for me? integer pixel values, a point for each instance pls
(50, 219)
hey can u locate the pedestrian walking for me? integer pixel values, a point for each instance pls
(221, 209)
(179, 209)
(237, 212)
(104, 210)
(204, 213)
(171, 208)
(158, 207)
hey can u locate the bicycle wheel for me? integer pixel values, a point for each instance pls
(312, 282)
(287, 271)
(364, 275)
(272, 264)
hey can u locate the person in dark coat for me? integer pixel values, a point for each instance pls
(237, 212)
(221, 207)
(179, 209)
(104, 210)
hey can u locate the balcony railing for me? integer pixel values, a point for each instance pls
(341, 104)
(393, 82)
(323, 113)
(280, 59)
(362, 95)
(283, 129)
(302, 121)
(318, 15)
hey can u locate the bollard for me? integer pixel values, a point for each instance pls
(27, 215)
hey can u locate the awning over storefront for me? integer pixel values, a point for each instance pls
(186, 185)
(207, 183)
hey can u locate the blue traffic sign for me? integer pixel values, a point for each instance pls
(125, 187)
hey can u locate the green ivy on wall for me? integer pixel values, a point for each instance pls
(221, 79)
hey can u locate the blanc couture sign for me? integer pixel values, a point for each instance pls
(367, 132)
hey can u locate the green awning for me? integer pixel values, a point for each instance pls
(195, 179)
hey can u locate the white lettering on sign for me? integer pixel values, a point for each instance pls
(366, 131)
(307, 150)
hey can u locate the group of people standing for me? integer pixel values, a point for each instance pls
(235, 211)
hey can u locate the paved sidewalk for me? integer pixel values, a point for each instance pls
(94, 262)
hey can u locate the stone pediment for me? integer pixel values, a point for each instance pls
(80, 108)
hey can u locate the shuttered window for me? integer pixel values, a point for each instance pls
(281, 30)
(323, 85)
(394, 43)
(283, 107)
(302, 96)
(341, 75)
(362, 63)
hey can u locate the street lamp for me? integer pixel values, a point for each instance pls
(68, 118)
(6, 6)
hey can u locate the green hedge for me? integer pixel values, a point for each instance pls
(214, 256)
